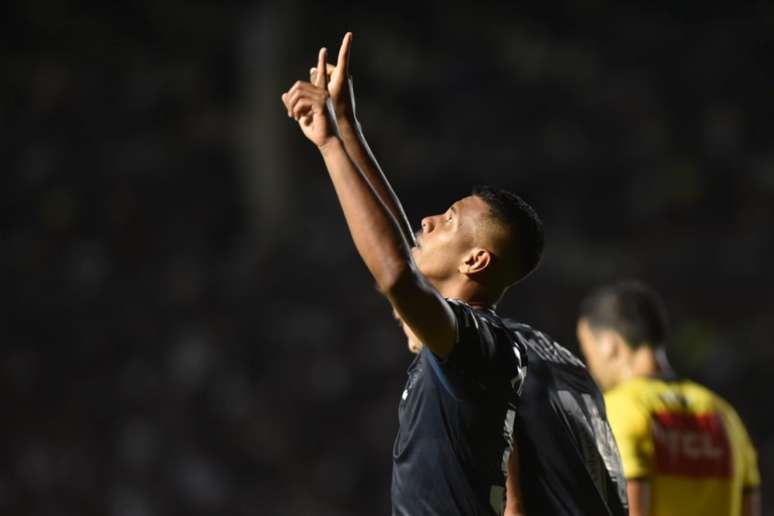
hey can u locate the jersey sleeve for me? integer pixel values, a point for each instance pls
(631, 429)
(743, 446)
(485, 350)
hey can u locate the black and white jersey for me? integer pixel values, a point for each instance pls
(456, 420)
(568, 459)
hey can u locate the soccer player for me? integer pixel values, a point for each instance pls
(458, 407)
(684, 449)
(564, 444)
(567, 461)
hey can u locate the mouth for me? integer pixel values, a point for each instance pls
(417, 243)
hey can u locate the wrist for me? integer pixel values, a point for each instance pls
(330, 144)
(349, 127)
(345, 115)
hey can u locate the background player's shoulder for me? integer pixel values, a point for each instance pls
(642, 392)
(707, 399)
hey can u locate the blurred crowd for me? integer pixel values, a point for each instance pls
(188, 329)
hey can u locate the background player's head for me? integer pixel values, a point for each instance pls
(481, 245)
(620, 329)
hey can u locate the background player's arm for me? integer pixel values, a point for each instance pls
(751, 503)
(638, 492)
(375, 232)
(342, 95)
(751, 475)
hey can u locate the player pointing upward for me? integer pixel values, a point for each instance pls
(458, 407)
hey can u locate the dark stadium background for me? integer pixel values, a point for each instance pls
(187, 328)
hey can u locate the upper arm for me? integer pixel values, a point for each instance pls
(751, 480)
(638, 492)
(424, 311)
(751, 475)
(631, 428)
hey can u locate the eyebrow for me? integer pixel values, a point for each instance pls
(453, 209)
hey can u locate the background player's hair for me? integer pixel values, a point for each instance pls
(522, 220)
(632, 309)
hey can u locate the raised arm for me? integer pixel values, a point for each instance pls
(375, 232)
(342, 96)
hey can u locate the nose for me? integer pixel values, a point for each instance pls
(427, 224)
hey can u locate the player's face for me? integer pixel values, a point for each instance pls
(445, 238)
(599, 361)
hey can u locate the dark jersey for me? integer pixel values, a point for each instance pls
(568, 459)
(456, 421)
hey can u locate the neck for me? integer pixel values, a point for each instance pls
(643, 361)
(473, 293)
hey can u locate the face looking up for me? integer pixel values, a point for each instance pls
(446, 240)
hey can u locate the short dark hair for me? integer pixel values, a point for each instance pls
(522, 220)
(632, 309)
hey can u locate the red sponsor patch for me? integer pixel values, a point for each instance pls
(691, 445)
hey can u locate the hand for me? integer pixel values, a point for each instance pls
(305, 103)
(339, 81)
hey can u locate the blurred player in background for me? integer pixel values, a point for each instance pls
(685, 451)
(458, 407)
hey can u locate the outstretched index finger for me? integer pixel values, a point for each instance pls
(342, 65)
(321, 60)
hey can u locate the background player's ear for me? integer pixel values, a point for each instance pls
(610, 343)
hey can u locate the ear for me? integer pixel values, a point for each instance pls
(476, 261)
(611, 344)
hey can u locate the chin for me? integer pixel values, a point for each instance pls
(416, 255)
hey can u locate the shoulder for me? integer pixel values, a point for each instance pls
(484, 322)
(630, 401)
(542, 345)
(465, 314)
(708, 395)
(484, 343)
(636, 389)
(718, 403)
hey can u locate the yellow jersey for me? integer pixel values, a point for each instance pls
(687, 441)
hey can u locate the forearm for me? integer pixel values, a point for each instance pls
(638, 492)
(376, 222)
(357, 147)
(751, 503)
(375, 232)
(513, 506)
